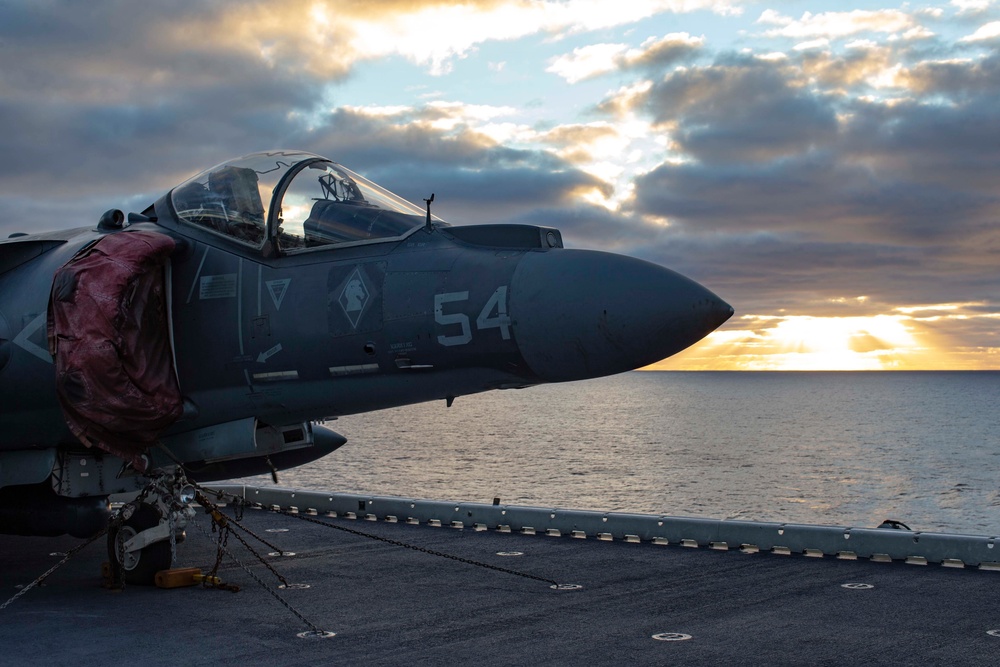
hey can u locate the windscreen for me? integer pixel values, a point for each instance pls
(327, 204)
(233, 198)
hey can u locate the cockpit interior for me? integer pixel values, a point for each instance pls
(299, 200)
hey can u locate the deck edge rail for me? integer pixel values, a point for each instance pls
(844, 542)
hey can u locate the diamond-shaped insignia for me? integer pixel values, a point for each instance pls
(354, 297)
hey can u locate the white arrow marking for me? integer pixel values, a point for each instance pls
(267, 354)
(22, 339)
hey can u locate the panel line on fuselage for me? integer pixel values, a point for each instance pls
(260, 283)
(197, 274)
(239, 305)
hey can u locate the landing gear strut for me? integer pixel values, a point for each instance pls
(142, 533)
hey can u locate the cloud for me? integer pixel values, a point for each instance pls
(103, 102)
(411, 150)
(863, 65)
(988, 32)
(130, 98)
(739, 109)
(962, 80)
(837, 25)
(475, 179)
(327, 38)
(585, 144)
(757, 149)
(775, 272)
(119, 54)
(790, 167)
(594, 60)
(966, 7)
(844, 180)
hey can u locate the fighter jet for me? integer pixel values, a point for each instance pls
(213, 334)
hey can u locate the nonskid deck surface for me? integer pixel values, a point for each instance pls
(391, 605)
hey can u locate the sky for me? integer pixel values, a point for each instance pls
(831, 169)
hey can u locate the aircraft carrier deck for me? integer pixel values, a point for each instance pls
(651, 590)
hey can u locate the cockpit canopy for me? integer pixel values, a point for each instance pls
(296, 200)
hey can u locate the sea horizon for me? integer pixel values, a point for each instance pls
(820, 447)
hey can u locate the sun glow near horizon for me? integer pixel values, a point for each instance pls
(904, 339)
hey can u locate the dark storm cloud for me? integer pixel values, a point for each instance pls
(468, 196)
(958, 80)
(951, 144)
(769, 152)
(590, 226)
(818, 194)
(473, 178)
(767, 272)
(740, 110)
(39, 213)
(364, 141)
(97, 153)
(104, 103)
(100, 105)
(799, 187)
(104, 153)
(794, 193)
(115, 52)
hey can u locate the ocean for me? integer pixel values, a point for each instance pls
(835, 448)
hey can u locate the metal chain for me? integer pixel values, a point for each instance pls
(228, 522)
(263, 561)
(405, 545)
(212, 580)
(171, 527)
(235, 520)
(118, 567)
(69, 554)
(312, 626)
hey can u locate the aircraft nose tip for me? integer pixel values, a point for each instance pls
(722, 311)
(579, 314)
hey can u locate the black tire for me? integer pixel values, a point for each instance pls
(140, 568)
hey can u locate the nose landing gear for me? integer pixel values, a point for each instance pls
(143, 532)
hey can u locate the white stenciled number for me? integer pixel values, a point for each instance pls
(501, 321)
(492, 316)
(452, 318)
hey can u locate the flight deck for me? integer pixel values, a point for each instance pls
(408, 581)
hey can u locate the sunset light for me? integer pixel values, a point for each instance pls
(698, 273)
(789, 156)
(839, 343)
(908, 339)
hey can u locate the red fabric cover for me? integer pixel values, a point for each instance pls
(107, 327)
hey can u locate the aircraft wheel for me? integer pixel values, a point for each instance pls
(140, 567)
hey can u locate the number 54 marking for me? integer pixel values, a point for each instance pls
(486, 320)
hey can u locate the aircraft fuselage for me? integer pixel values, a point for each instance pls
(276, 321)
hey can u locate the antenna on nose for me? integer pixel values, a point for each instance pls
(429, 202)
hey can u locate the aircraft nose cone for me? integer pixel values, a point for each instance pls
(579, 314)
